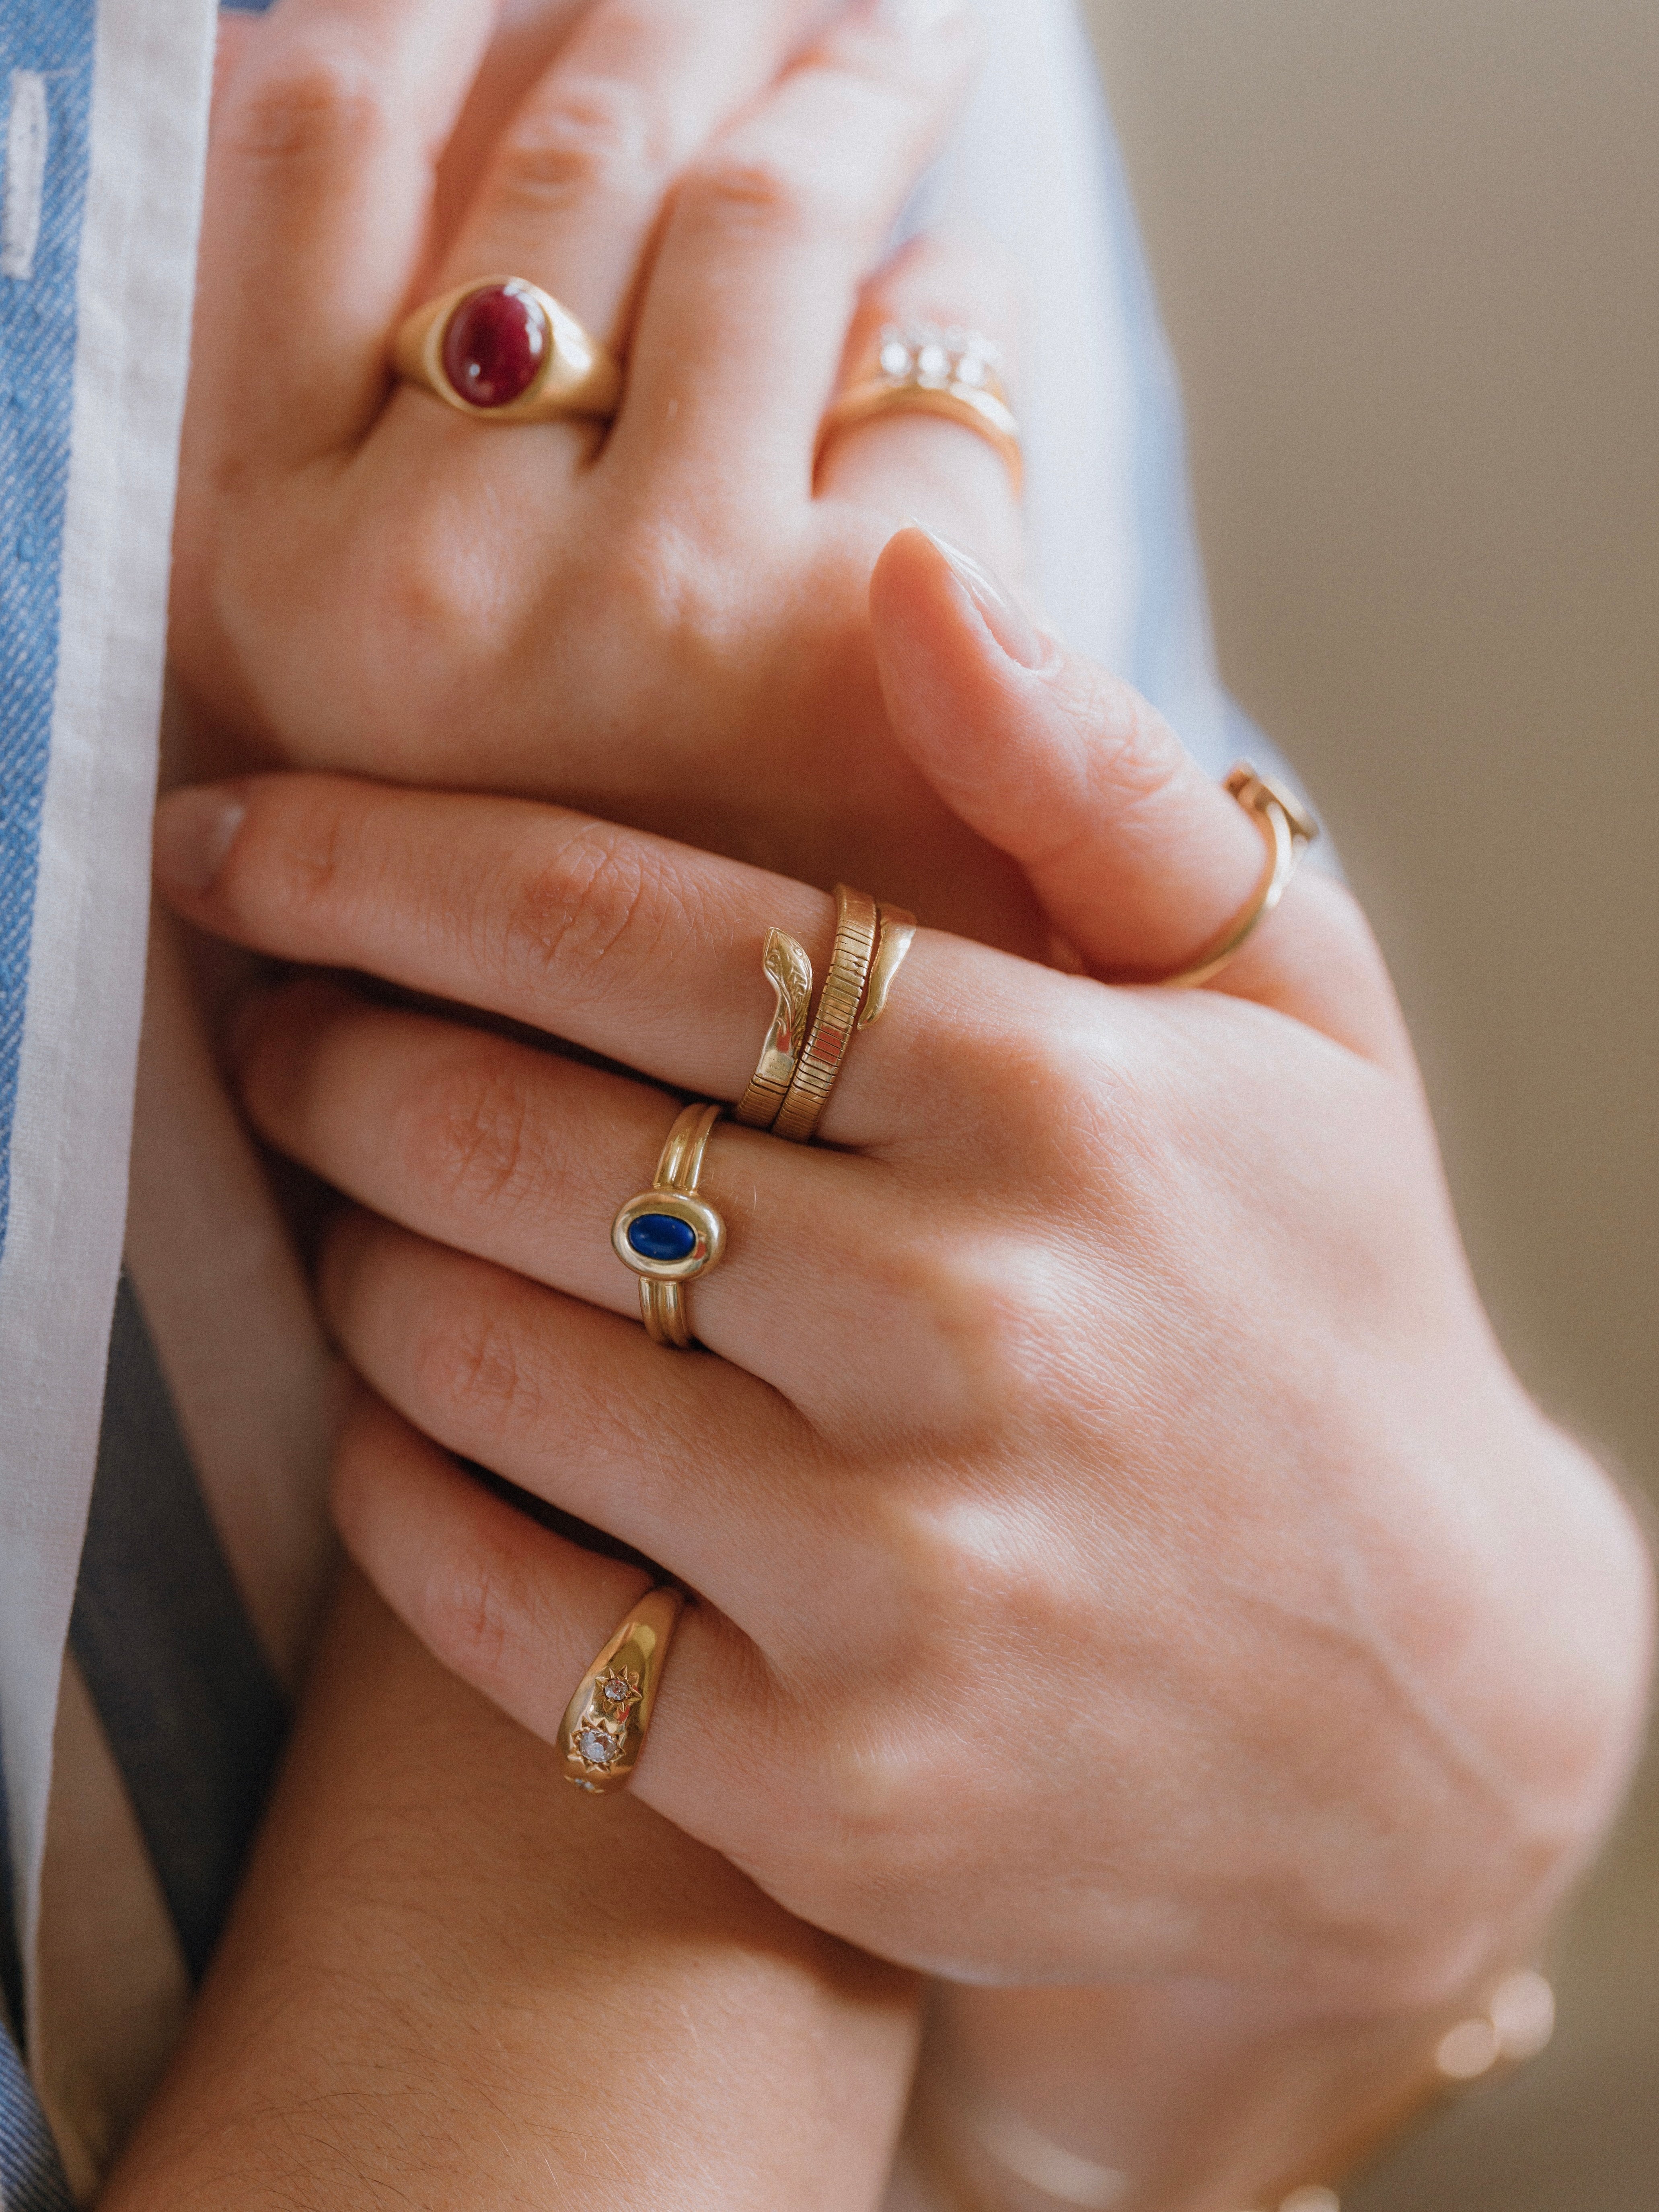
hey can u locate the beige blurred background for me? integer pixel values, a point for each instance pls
(1409, 258)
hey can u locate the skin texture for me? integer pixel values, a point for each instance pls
(1040, 1641)
(674, 630)
(448, 1984)
(667, 624)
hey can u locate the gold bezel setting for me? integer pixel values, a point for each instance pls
(706, 1228)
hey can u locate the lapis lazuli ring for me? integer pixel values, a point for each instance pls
(668, 1234)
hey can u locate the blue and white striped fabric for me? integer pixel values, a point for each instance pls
(31, 2175)
(103, 103)
(201, 1564)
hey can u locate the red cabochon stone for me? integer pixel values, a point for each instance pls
(493, 345)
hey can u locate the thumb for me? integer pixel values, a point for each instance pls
(1138, 859)
(1140, 862)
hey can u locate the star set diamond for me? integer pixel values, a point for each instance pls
(603, 1737)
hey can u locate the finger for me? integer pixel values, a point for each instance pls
(630, 946)
(577, 182)
(523, 1159)
(521, 1614)
(682, 1456)
(319, 183)
(921, 467)
(769, 237)
(513, 1608)
(1139, 859)
(232, 34)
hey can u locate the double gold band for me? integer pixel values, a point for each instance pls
(1288, 829)
(799, 1063)
(667, 1234)
(605, 1723)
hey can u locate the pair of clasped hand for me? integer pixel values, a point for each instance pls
(1120, 1549)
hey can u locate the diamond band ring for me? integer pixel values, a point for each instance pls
(954, 374)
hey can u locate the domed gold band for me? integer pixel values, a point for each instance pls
(605, 1723)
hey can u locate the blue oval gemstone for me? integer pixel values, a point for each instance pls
(663, 1238)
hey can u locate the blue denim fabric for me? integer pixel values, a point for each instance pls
(31, 2178)
(38, 326)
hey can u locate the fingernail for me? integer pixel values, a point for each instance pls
(1006, 620)
(194, 831)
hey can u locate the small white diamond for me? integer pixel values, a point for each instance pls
(596, 1746)
(932, 362)
(894, 358)
(970, 369)
(616, 1693)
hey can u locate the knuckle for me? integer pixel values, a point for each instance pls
(469, 1133)
(757, 195)
(467, 1610)
(468, 1367)
(297, 862)
(605, 902)
(593, 136)
(428, 582)
(315, 100)
(1136, 756)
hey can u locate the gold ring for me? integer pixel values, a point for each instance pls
(604, 1729)
(871, 944)
(1289, 829)
(668, 1234)
(786, 967)
(502, 350)
(924, 371)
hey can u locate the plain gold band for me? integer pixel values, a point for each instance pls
(971, 405)
(605, 1723)
(577, 376)
(1288, 829)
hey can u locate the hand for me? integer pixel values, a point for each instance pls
(667, 624)
(1122, 1549)
(446, 1984)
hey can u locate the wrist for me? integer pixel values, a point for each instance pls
(1156, 2098)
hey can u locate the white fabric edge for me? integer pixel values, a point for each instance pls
(152, 63)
